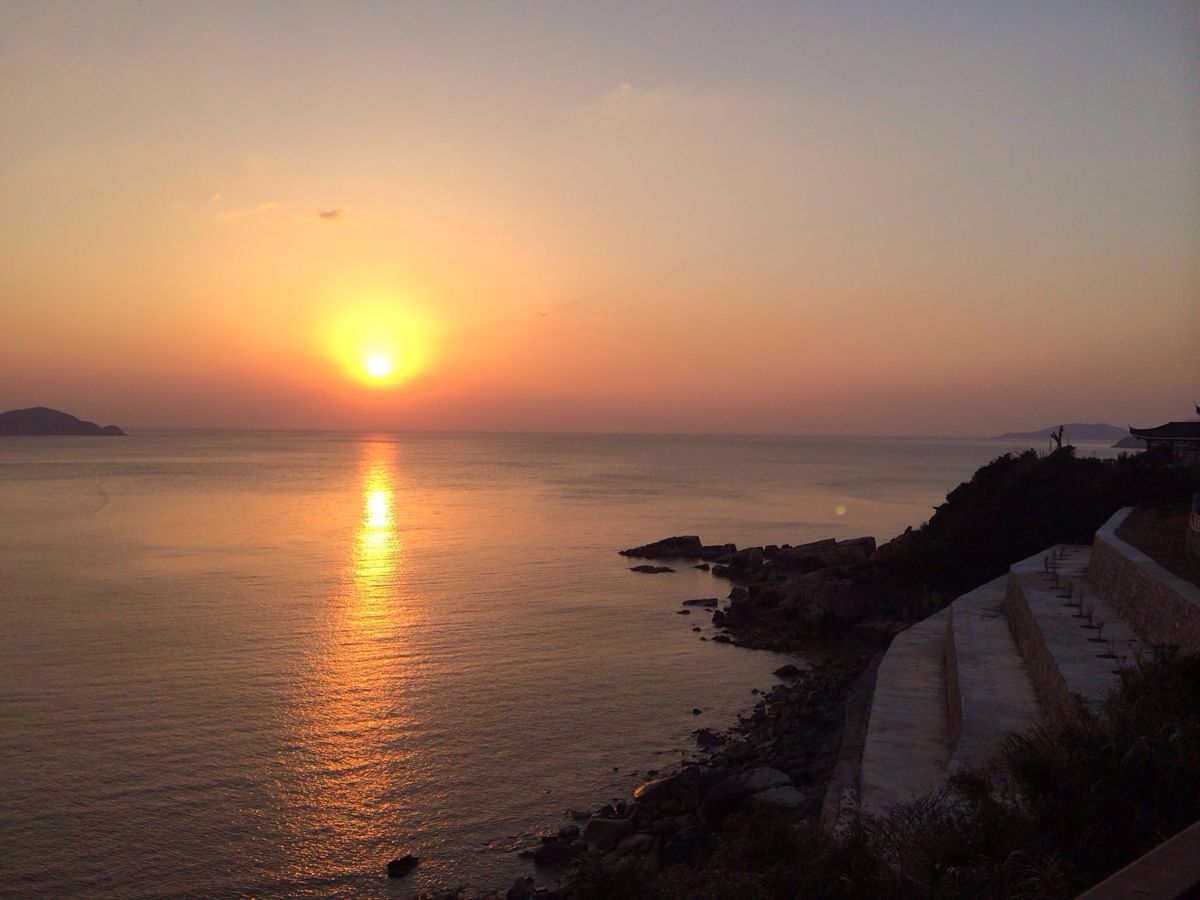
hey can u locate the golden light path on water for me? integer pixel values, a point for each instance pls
(356, 762)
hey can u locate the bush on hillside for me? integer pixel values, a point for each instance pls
(1021, 503)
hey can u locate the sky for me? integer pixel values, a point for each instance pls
(853, 217)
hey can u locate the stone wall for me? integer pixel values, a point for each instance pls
(1160, 606)
(1193, 532)
(1048, 683)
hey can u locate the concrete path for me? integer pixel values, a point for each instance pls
(991, 693)
(907, 742)
(1070, 655)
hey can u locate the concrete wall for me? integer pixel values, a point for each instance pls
(1160, 606)
(1048, 683)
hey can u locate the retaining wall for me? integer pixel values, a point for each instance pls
(1159, 605)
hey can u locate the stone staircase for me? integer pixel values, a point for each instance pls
(1045, 640)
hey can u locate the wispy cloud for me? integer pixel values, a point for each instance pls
(256, 210)
(629, 102)
(330, 215)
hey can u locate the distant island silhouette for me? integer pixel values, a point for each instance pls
(1081, 431)
(41, 421)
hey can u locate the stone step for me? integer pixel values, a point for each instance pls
(907, 743)
(989, 691)
(1073, 660)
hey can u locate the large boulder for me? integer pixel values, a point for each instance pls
(729, 794)
(607, 833)
(680, 547)
(400, 867)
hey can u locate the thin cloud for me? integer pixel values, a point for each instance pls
(256, 210)
(330, 215)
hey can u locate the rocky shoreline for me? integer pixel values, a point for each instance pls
(782, 754)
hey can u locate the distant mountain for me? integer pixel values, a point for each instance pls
(1077, 431)
(42, 421)
(1129, 442)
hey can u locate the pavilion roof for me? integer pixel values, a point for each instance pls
(1172, 431)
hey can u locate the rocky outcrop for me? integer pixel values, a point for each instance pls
(398, 868)
(680, 547)
(42, 421)
(652, 570)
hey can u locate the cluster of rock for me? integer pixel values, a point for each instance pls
(778, 756)
(784, 592)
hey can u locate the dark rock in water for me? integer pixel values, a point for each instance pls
(43, 421)
(398, 868)
(607, 833)
(703, 567)
(522, 889)
(720, 571)
(651, 570)
(788, 671)
(567, 832)
(695, 628)
(557, 853)
(681, 547)
(718, 618)
(738, 593)
(723, 639)
(695, 710)
(706, 738)
(683, 612)
(718, 552)
(747, 560)
(582, 815)
(705, 601)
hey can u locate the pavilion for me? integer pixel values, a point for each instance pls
(1182, 439)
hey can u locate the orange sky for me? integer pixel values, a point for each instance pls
(959, 219)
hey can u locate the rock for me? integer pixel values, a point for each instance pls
(695, 710)
(556, 853)
(703, 567)
(729, 793)
(782, 797)
(680, 547)
(522, 889)
(635, 845)
(651, 570)
(703, 601)
(683, 612)
(718, 552)
(398, 868)
(722, 639)
(607, 833)
(705, 737)
(582, 815)
(718, 618)
(747, 560)
(788, 671)
(695, 628)
(568, 832)
(738, 594)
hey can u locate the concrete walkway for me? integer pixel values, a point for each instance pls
(907, 742)
(1072, 658)
(990, 691)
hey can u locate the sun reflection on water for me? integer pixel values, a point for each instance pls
(354, 720)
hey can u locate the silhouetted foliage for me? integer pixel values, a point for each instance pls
(1022, 503)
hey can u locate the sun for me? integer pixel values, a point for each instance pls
(378, 365)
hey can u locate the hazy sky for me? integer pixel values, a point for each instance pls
(843, 217)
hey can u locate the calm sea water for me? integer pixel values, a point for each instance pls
(265, 664)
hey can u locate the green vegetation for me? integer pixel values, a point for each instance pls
(1060, 808)
(1021, 503)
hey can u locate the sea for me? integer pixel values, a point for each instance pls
(247, 664)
